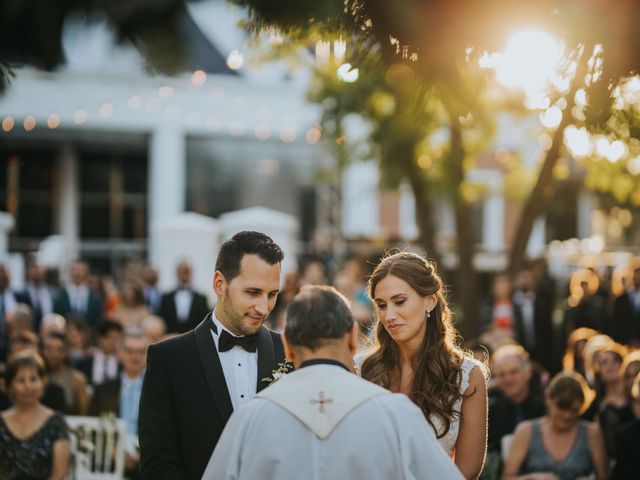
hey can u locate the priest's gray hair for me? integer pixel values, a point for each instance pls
(316, 314)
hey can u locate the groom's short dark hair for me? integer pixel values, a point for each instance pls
(316, 314)
(246, 243)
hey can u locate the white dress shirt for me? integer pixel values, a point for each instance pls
(78, 298)
(104, 367)
(183, 299)
(240, 369)
(40, 296)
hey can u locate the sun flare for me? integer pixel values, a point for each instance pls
(529, 62)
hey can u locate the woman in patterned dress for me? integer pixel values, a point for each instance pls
(34, 441)
(416, 354)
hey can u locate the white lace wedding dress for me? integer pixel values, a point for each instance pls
(448, 442)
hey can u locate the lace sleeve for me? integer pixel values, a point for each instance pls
(468, 364)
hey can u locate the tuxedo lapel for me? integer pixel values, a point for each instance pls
(266, 358)
(212, 369)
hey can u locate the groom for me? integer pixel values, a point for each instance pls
(195, 381)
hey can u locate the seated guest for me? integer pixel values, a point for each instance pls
(577, 446)
(611, 396)
(627, 465)
(53, 396)
(322, 421)
(514, 402)
(121, 395)
(78, 336)
(34, 440)
(55, 350)
(102, 365)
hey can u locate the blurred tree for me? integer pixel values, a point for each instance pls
(416, 74)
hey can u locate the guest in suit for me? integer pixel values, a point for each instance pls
(514, 401)
(534, 326)
(152, 295)
(40, 295)
(121, 396)
(627, 446)
(103, 365)
(77, 297)
(183, 308)
(194, 381)
(624, 326)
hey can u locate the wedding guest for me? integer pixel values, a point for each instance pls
(132, 308)
(612, 401)
(53, 396)
(19, 320)
(121, 396)
(515, 402)
(152, 295)
(499, 313)
(39, 293)
(559, 445)
(183, 308)
(52, 322)
(627, 464)
(194, 381)
(352, 429)
(34, 440)
(78, 337)
(416, 354)
(624, 325)
(534, 327)
(55, 350)
(77, 297)
(103, 365)
(573, 358)
(630, 369)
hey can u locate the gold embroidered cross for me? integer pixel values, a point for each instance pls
(322, 401)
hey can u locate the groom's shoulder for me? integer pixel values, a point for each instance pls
(175, 343)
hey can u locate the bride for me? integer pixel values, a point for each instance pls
(416, 354)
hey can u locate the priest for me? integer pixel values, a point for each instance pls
(322, 421)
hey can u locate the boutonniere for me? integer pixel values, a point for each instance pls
(283, 368)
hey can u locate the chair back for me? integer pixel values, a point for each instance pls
(97, 447)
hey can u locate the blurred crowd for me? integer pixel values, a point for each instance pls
(546, 345)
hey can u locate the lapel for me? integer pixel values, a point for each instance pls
(266, 357)
(212, 369)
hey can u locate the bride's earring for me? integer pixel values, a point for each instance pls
(428, 314)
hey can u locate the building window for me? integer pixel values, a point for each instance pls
(27, 192)
(113, 195)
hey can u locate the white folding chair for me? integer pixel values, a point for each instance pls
(97, 448)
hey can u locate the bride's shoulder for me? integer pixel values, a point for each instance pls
(472, 371)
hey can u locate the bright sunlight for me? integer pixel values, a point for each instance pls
(529, 62)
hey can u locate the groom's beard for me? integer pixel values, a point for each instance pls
(237, 322)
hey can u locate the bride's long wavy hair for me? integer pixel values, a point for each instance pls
(437, 363)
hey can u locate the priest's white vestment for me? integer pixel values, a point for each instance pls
(321, 422)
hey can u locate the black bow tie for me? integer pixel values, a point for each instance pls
(227, 341)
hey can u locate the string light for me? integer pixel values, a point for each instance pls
(7, 124)
(29, 123)
(53, 121)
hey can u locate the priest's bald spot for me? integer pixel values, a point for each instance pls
(317, 314)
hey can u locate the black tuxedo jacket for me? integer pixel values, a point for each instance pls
(185, 403)
(199, 308)
(85, 366)
(106, 398)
